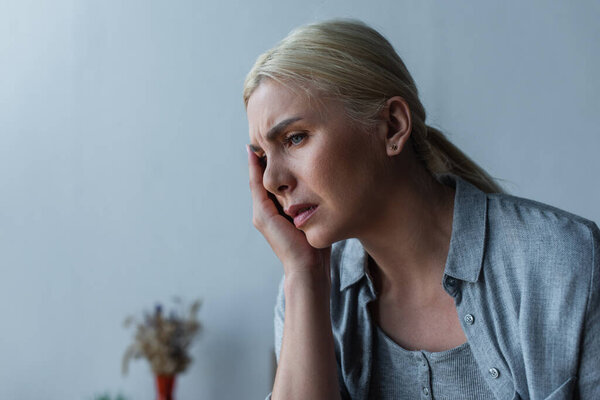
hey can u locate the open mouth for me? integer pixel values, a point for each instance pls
(305, 209)
(303, 214)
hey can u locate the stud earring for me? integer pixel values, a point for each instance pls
(394, 147)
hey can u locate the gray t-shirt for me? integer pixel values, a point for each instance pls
(402, 374)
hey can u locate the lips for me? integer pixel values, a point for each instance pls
(301, 213)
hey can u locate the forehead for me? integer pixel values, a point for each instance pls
(273, 102)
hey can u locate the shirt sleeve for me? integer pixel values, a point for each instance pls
(589, 371)
(278, 322)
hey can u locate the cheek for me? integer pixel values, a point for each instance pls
(345, 184)
(341, 170)
(329, 176)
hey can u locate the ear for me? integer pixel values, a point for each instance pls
(395, 124)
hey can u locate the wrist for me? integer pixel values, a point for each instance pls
(315, 280)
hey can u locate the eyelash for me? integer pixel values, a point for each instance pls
(288, 142)
(288, 139)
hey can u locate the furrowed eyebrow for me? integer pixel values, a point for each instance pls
(275, 131)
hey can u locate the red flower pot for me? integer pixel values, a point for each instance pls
(165, 385)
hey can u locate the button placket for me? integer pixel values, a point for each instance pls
(425, 374)
(479, 337)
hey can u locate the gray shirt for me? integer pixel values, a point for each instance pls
(526, 282)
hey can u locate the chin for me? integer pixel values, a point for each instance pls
(319, 239)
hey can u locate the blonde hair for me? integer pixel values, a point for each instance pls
(354, 63)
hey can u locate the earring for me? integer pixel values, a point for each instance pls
(394, 147)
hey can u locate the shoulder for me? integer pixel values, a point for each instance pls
(531, 212)
(522, 224)
(538, 248)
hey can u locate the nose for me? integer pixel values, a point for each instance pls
(277, 178)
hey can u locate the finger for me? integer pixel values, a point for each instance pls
(263, 206)
(256, 175)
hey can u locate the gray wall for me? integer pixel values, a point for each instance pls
(123, 174)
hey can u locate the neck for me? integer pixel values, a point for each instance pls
(409, 238)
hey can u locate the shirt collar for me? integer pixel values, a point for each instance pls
(353, 264)
(465, 256)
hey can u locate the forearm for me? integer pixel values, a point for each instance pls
(307, 366)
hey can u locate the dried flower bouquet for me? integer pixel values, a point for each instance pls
(164, 340)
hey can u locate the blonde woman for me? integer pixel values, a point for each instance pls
(407, 272)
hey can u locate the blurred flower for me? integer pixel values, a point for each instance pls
(164, 342)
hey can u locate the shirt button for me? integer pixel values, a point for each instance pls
(494, 373)
(451, 282)
(426, 391)
(469, 319)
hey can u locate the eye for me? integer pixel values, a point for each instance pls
(295, 138)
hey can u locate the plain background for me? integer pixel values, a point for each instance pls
(123, 177)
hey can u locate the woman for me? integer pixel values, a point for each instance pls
(407, 272)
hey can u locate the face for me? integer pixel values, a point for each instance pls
(322, 168)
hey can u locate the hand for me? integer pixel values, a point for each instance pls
(288, 242)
